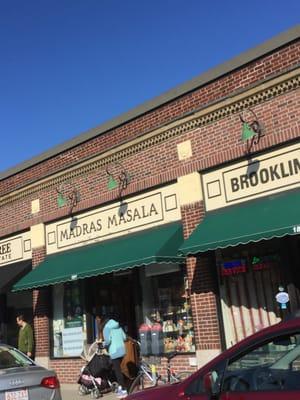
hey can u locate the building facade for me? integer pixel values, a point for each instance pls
(179, 218)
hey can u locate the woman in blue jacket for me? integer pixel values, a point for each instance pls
(113, 338)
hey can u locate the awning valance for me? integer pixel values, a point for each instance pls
(266, 218)
(157, 245)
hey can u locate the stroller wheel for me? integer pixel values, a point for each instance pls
(95, 394)
(114, 386)
(83, 390)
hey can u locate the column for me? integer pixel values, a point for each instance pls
(201, 272)
(41, 299)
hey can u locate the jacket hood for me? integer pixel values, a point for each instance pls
(112, 324)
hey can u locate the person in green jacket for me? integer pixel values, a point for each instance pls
(25, 340)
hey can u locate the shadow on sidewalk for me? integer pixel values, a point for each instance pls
(69, 391)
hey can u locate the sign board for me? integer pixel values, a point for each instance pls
(72, 340)
(263, 175)
(15, 248)
(136, 213)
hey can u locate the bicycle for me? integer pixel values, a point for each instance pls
(148, 377)
(172, 376)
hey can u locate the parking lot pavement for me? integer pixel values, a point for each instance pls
(70, 392)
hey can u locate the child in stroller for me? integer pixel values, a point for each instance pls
(97, 375)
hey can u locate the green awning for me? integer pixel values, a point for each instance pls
(266, 218)
(157, 245)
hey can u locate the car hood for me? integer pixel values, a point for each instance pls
(158, 393)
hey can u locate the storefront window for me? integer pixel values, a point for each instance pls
(167, 320)
(251, 277)
(154, 299)
(69, 320)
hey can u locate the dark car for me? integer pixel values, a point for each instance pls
(22, 379)
(263, 366)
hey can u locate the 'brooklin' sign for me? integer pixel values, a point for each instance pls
(261, 176)
(104, 223)
(274, 172)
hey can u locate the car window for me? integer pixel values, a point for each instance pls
(10, 358)
(275, 365)
(197, 385)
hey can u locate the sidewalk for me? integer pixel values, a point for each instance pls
(69, 391)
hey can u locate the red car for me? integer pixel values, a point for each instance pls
(264, 366)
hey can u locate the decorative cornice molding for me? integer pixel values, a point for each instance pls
(207, 115)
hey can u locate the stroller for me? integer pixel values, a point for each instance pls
(96, 377)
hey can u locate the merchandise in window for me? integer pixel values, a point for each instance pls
(167, 320)
(69, 320)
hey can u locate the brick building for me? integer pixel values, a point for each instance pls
(163, 217)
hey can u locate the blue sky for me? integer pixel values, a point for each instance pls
(69, 65)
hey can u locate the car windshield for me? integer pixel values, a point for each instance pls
(275, 354)
(10, 358)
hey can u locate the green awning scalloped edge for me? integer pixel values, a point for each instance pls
(270, 217)
(158, 245)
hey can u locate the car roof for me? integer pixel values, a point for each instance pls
(288, 324)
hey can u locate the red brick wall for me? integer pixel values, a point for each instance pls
(203, 286)
(67, 370)
(178, 363)
(41, 306)
(262, 69)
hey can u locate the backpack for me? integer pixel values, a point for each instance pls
(130, 361)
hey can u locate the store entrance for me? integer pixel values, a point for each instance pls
(11, 305)
(125, 295)
(115, 295)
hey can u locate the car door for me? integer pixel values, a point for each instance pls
(195, 388)
(269, 370)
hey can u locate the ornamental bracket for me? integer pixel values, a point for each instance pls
(67, 193)
(252, 129)
(118, 177)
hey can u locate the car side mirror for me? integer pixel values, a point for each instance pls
(208, 383)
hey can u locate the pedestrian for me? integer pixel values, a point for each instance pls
(113, 338)
(25, 339)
